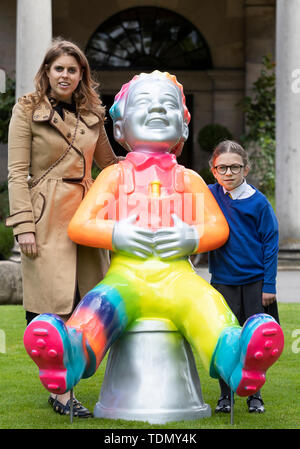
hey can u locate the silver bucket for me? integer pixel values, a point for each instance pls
(151, 376)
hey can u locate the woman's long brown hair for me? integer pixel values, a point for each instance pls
(85, 95)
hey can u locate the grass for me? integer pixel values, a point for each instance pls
(23, 399)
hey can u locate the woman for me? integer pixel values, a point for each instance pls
(54, 134)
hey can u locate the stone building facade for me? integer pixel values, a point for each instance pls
(236, 35)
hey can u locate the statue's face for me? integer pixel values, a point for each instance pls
(153, 117)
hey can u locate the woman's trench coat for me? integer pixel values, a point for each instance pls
(38, 136)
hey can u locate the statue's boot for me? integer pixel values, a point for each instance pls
(242, 356)
(59, 352)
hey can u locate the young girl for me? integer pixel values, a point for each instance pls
(244, 269)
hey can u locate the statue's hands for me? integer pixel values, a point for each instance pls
(166, 243)
(178, 241)
(131, 239)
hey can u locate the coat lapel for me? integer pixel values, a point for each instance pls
(45, 113)
(89, 119)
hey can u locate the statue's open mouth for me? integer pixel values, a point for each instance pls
(157, 122)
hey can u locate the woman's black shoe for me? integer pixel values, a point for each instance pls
(79, 410)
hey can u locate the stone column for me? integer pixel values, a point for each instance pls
(34, 33)
(288, 129)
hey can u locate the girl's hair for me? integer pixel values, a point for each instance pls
(229, 146)
(85, 95)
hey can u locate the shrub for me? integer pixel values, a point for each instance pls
(6, 241)
(210, 135)
(207, 176)
(95, 171)
(7, 101)
(6, 234)
(4, 207)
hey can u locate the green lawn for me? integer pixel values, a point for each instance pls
(23, 399)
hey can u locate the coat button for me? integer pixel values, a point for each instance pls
(82, 131)
(55, 120)
(69, 135)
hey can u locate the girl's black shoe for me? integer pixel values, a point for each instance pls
(224, 405)
(255, 404)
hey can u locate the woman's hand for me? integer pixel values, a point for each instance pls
(27, 244)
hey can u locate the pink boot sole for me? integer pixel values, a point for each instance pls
(44, 345)
(263, 349)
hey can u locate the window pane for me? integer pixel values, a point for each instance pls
(148, 37)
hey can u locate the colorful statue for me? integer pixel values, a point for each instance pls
(152, 214)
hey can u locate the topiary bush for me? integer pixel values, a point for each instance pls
(6, 241)
(210, 135)
(6, 234)
(207, 176)
(4, 206)
(7, 101)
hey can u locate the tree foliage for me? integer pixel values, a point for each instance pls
(259, 139)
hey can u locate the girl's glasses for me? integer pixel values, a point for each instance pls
(222, 169)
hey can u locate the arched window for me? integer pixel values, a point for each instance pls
(148, 38)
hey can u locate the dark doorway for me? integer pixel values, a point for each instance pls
(186, 157)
